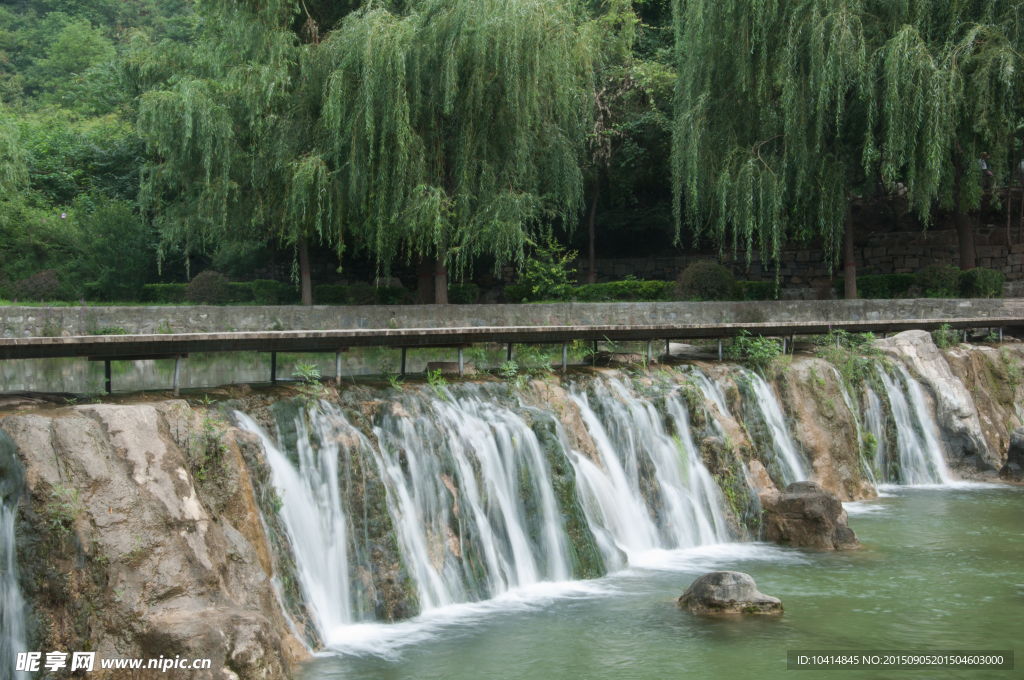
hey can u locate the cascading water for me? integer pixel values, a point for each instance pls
(12, 606)
(874, 420)
(791, 465)
(866, 465)
(920, 454)
(653, 492)
(471, 496)
(313, 515)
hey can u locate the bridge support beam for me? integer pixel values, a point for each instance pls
(337, 367)
(719, 349)
(565, 356)
(403, 361)
(106, 373)
(273, 367)
(460, 362)
(508, 356)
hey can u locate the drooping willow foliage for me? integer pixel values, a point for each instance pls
(785, 110)
(456, 127)
(13, 172)
(448, 127)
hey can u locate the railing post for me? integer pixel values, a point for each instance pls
(177, 373)
(403, 361)
(273, 367)
(106, 373)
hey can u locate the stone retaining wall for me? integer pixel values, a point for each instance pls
(42, 321)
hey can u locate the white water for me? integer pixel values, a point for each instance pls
(791, 464)
(313, 515)
(683, 511)
(472, 502)
(12, 606)
(873, 419)
(712, 390)
(866, 465)
(920, 454)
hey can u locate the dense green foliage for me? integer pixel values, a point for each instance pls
(706, 281)
(828, 98)
(880, 286)
(144, 141)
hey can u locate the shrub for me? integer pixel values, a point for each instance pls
(463, 294)
(391, 295)
(41, 286)
(516, 294)
(939, 281)
(266, 292)
(119, 253)
(706, 280)
(760, 290)
(164, 293)
(547, 275)
(240, 293)
(879, 287)
(622, 291)
(359, 294)
(209, 288)
(982, 283)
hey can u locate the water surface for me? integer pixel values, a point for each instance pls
(940, 568)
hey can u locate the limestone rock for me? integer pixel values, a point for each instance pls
(158, 560)
(728, 592)
(806, 515)
(955, 410)
(1014, 469)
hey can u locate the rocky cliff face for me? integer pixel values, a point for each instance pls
(152, 528)
(135, 546)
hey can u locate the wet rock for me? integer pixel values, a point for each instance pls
(728, 592)
(149, 557)
(806, 515)
(1014, 469)
(955, 410)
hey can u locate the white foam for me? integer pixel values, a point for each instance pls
(387, 640)
(950, 486)
(862, 508)
(710, 557)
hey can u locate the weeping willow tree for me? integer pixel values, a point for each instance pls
(787, 110)
(450, 130)
(215, 117)
(441, 129)
(13, 170)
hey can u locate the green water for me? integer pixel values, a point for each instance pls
(940, 568)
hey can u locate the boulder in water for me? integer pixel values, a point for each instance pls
(806, 515)
(728, 592)
(1013, 471)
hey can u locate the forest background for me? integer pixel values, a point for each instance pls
(147, 141)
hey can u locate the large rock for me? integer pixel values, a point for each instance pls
(955, 411)
(127, 552)
(1014, 469)
(728, 592)
(806, 515)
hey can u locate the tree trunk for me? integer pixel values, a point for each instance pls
(425, 282)
(440, 279)
(849, 261)
(592, 276)
(964, 232)
(307, 283)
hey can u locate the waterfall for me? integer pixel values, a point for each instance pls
(483, 494)
(874, 419)
(653, 491)
(920, 454)
(866, 465)
(791, 464)
(313, 515)
(12, 606)
(496, 468)
(711, 390)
